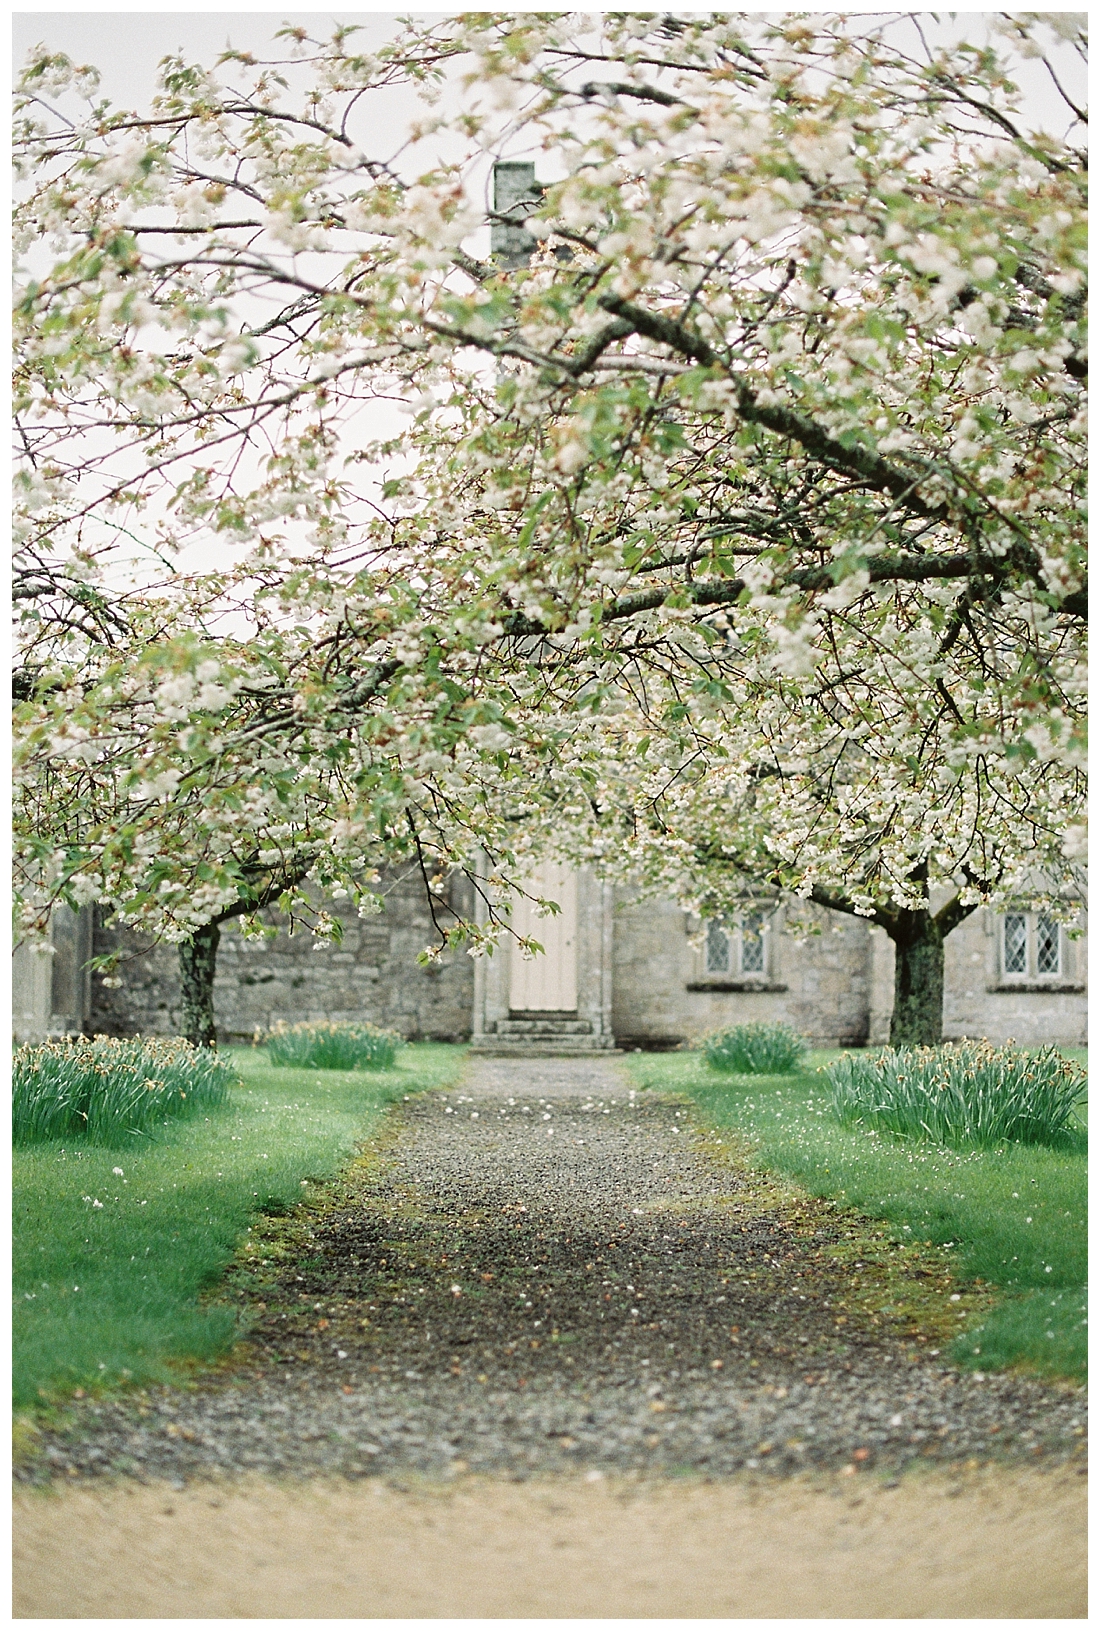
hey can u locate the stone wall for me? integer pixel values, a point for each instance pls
(981, 1001)
(662, 994)
(51, 984)
(373, 974)
(836, 988)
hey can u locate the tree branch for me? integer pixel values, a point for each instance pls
(860, 461)
(725, 591)
(644, 93)
(951, 914)
(886, 917)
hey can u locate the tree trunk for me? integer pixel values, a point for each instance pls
(918, 981)
(918, 938)
(198, 960)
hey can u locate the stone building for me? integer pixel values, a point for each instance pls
(617, 971)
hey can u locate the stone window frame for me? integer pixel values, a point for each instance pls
(1031, 977)
(708, 973)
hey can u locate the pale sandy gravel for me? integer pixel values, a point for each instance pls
(998, 1544)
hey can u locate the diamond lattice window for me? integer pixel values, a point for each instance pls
(717, 949)
(1048, 946)
(752, 944)
(1015, 943)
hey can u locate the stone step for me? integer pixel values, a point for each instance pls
(544, 1025)
(549, 1016)
(542, 1046)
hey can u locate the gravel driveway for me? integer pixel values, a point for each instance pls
(545, 1271)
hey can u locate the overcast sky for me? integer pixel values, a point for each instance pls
(126, 45)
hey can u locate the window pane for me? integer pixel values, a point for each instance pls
(1016, 943)
(752, 943)
(718, 949)
(1048, 946)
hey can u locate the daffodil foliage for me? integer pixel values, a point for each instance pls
(728, 528)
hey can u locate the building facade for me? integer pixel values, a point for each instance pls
(616, 971)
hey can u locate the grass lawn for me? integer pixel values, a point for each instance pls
(1015, 1217)
(111, 1293)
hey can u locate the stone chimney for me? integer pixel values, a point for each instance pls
(516, 194)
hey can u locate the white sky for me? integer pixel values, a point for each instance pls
(128, 43)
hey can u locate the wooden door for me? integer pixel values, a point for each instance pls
(549, 981)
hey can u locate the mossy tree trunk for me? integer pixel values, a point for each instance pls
(918, 936)
(199, 954)
(198, 961)
(917, 1020)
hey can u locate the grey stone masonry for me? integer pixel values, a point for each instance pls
(515, 194)
(664, 994)
(372, 975)
(645, 977)
(981, 999)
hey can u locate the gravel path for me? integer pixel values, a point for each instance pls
(545, 1271)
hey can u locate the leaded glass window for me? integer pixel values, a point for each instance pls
(1048, 946)
(1015, 943)
(717, 949)
(752, 943)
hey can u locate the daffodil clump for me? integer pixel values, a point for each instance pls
(108, 1089)
(755, 1050)
(328, 1045)
(966, 1093)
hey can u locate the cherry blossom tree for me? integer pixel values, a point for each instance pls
(781, 442)
(183, 778)
(735, 530)
(169, 755)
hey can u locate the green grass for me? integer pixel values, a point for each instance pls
(167, 1226)
(1015, 1216)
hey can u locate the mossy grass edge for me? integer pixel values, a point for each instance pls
(1012, 1219)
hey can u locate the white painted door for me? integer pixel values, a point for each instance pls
(548, 981)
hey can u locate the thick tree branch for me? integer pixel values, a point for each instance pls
(586, 357)
(859, 461)
(256, 899)
(951, 914)
(643, 93)
(727, 591)
(886, 917)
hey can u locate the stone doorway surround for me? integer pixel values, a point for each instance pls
(52, 987)
(498, 1028)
